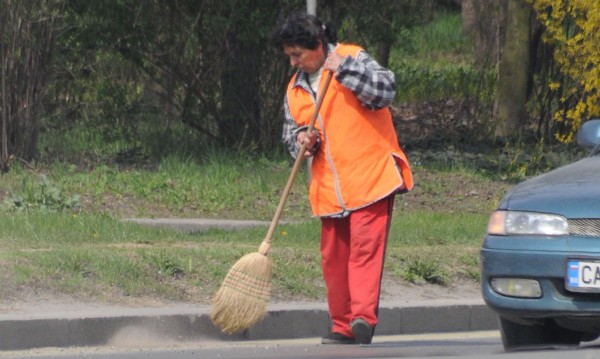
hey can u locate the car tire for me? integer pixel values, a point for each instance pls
(545, 334)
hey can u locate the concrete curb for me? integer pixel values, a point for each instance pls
(283, 321)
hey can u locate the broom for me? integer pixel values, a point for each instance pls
(242, 299)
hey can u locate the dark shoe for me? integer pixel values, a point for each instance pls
(337, 338)
(362, 331)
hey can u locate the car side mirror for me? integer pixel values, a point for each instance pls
(588, 135)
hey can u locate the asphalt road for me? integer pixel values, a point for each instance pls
(484, 344)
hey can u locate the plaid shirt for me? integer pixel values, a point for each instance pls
(373, 85)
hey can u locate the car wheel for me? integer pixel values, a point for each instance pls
(517, 336)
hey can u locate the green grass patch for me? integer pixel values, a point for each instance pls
(97, 256)
(226, 186)
(90, 252)
(440, 41)
(435, 61)
(438, 228)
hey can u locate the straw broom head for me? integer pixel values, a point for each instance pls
(242, 299)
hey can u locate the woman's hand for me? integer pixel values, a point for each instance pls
(333, 62)
(310, 141)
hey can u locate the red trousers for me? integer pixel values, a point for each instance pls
(353, 253)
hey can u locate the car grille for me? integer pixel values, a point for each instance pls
(584, 227)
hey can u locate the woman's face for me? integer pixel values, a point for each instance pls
(304, 59)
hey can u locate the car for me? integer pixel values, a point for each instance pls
(540, 258)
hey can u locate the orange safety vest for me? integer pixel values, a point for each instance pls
(359, 161)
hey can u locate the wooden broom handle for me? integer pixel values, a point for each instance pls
(266, 244)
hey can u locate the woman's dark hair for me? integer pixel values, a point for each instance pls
(303, 30)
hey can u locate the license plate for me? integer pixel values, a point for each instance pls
(583, 276)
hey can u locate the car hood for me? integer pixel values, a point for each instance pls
(572, 191)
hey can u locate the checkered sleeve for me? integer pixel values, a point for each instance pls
(373, 85)
(290, 131)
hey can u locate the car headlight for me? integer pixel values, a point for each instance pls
(516, 222)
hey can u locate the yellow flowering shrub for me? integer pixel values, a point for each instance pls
(573, 27)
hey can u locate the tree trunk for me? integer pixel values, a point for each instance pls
(469, 16)
(485, 22)
(383, 53)
(5, 157)
(513, 72)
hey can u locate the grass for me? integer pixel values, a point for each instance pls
(88, 251)
(180, 185)
(435, 61)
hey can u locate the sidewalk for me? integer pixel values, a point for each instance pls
(99, 325)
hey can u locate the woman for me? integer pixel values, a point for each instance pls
(357, 165)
